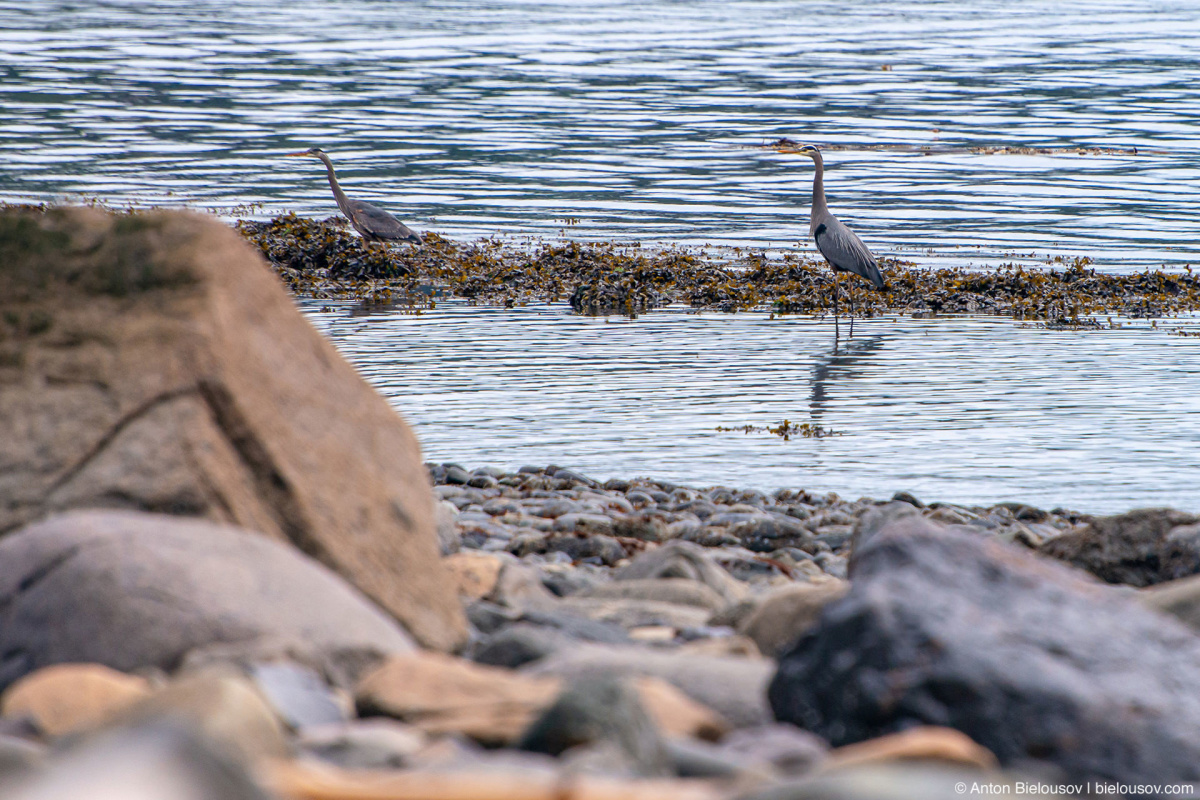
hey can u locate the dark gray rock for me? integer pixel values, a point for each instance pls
(519, 644)
(297, 695)
(771, 532)
(602, 710)
(1027, 657)
(132, 590)
(876, 519)
(1130, 548)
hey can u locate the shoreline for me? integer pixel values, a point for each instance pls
(538, 511)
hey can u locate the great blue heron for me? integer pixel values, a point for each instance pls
(372, 222)
(844, 251)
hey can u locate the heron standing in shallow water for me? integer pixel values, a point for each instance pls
(372, 222)
(844, 251)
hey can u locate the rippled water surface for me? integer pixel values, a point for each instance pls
(636, 121)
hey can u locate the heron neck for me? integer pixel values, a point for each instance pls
(819, 208)
(338, 194)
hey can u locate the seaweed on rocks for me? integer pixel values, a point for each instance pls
(324, 259)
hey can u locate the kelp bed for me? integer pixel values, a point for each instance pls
(325, 259)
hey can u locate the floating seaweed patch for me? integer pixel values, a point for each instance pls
(786, 430)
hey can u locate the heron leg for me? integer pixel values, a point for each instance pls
(835, 304)
(850, 294)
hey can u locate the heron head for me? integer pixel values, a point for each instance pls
(788, 146)
(312, 151)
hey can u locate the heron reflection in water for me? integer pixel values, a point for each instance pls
(841, 247)
(372, 222)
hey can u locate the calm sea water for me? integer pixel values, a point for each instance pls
(636, 121)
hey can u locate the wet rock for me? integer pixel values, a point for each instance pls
(602, 710)
(1129, 548)
(682, 560)
(174, 374)
(363, 744)
(69, 698)
(765, 534)
(594, 547)
(131, 590)
(298, 695)
(1023, 655)
(787, 613)
(733, 687)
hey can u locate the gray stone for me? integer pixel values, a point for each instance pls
(1128, 548)
(594, 547)
(681, 591)
(376, 743)
(771, 532)
(787, 748)
(919, 780)
(297, 694)
(876, 519)
(445, 516)
(632, 613)
(785, 614)
(733, 687)
(1029, 658)
(605, 709)
(131, 590)
(162, 760)
(677, 559)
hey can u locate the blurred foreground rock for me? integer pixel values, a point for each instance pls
(132, 590)
(153, 362)
(1027, 657)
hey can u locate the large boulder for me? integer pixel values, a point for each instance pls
(131, 590)
(1032, 659)
(152, 362)
(1139, 548)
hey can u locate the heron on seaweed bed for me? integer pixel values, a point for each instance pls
(372, 222)
(844, 251)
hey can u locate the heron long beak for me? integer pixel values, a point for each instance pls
(301, 153)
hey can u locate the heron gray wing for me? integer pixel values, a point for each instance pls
(845, 251)
(373, 221)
